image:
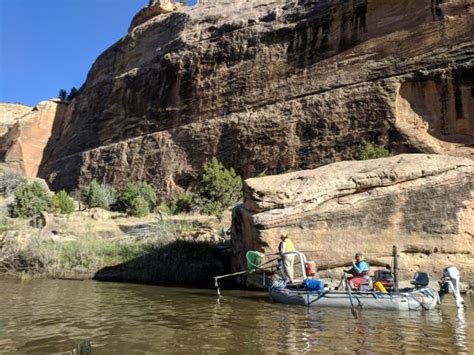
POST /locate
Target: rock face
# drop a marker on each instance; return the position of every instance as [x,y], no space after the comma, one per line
[269,86]
[154,8]
[23,144]
[9,114]
[424,204]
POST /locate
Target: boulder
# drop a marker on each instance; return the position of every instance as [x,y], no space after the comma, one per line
[423,204]
[154,8]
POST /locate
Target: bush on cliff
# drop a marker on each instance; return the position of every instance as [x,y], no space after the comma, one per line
[31,199]
[134,191]
[9,181]
[62,94]
[218,188]
[72,94]
[99,195]
[63,203]
[368,151]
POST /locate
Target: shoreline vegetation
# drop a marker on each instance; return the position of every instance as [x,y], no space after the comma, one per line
[126,235]
[95,244]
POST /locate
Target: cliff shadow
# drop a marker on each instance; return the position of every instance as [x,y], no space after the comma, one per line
[328,29]
[438,110]
[49,169]
[177,263]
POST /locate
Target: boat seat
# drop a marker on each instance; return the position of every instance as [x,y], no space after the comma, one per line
[420,279]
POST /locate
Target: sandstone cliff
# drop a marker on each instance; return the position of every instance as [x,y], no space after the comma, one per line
[9,114]
[269,86]
[27,133]
[424,204]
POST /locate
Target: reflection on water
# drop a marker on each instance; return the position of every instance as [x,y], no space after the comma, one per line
[55,316]
[460,330]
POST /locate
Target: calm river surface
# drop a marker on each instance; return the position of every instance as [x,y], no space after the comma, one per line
[50,316]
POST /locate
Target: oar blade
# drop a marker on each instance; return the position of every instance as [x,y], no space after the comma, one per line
[354,312]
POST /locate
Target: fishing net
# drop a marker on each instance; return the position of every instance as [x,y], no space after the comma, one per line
[254,260]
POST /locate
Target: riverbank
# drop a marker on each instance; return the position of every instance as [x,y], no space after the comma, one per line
[97,244]
[181,250]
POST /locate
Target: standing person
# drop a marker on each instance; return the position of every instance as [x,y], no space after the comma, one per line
[359,271]
[286,246]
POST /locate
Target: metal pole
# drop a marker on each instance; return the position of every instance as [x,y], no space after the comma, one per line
[395,268]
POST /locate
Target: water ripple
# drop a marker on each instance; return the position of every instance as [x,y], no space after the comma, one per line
[54,316]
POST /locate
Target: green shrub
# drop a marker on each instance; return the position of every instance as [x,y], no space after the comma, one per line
[183,204]
[138,189]
[9,181]
[63,203]
[219,188]
[212,208]
[99,195]
[164,209]
[139,207]
[368,151]
[31,199]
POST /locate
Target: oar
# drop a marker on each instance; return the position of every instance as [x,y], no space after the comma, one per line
[301,251]
[354,312]
[216,278]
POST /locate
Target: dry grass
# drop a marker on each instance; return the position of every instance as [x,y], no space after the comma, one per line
[85,245]
[34,255]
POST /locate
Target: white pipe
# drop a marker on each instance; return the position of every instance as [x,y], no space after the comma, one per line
[302,261]
[451,277]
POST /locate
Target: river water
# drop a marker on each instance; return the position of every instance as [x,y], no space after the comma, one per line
[51,316]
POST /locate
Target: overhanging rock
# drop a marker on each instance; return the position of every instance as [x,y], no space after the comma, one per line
[422,203]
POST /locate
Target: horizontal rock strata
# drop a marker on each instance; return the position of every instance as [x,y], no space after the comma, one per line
[268,86]
[424,204]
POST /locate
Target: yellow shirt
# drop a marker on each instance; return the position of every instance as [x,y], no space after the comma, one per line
[289,245]
[286,246]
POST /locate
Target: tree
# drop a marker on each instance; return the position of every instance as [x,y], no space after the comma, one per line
[134,191]
[72,94]
[218,188]
[31,199]
[62,94]
[99,195]
[138,207]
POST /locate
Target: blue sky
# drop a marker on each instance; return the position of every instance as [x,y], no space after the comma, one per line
[47,45]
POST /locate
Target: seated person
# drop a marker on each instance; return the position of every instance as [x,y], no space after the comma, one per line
[359,271]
